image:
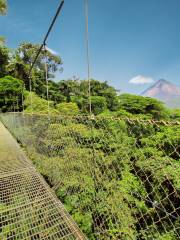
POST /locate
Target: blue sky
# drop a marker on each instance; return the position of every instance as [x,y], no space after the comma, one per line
[130,40]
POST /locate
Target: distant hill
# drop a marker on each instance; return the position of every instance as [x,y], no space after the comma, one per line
[164,91]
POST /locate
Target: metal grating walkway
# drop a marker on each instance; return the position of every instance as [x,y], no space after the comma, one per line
[28,207]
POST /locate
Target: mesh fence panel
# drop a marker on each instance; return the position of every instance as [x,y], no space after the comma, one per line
[28,208]
[118,178]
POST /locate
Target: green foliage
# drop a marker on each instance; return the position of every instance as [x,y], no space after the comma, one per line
[11,91]
[98,105]
[4,59]
[175,114]
[104,90]
[35,104]
[69,88]
[142,105]
[3,7]
[23,58]
[54,93]
[102,95]
[67,108]
[2,40]
[119,113]
[113,176]
[3,11]
[10,85]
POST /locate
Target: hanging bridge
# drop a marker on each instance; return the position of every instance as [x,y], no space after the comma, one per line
[86,177]
[117,178]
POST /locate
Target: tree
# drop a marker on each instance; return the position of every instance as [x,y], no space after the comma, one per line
[3,11]
[69,88]
[4,60]
[2,40]
[100,89]
[98,105]
[11,90]
[142,105]
[54,94]
[24,57]
[77,91]
[3,7]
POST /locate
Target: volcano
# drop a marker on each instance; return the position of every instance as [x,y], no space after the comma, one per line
[166,92]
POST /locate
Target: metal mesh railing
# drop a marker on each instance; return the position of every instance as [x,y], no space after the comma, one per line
[28,208]
[118,178]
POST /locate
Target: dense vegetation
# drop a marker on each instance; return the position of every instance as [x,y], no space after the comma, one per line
[70,96]
[118,178]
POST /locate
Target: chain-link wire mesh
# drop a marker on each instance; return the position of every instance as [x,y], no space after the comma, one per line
[118,178]
[28,208]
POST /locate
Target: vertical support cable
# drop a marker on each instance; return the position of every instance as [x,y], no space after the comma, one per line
[22,98]
[30,90]
[13,105]
[46,78]
[17,104]
[87,55]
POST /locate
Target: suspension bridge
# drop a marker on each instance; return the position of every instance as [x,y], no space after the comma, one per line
[87,177]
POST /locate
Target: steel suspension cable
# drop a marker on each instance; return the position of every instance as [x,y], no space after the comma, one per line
[47,34]
[39,51]
[46,78]
[30,90]
[87,55]
[22,98]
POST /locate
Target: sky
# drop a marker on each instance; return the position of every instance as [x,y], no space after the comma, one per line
[133,43]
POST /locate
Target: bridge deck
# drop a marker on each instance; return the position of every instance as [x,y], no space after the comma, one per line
[28,207]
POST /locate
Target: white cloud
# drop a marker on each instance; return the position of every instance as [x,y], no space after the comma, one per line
[141,80]
[52,51]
